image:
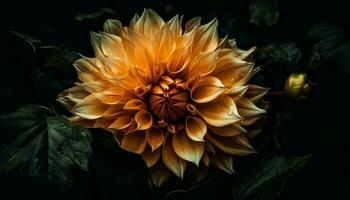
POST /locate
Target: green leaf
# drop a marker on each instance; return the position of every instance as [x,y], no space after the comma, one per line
[266,179]
[46,147]
[264,12]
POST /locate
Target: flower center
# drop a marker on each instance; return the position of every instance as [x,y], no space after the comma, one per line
[168,99]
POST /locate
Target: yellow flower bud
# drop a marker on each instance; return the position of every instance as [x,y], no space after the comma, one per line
[296,86]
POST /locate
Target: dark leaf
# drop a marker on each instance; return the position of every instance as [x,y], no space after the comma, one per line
[328,43]
[288,54]
[46,147]
[264,12]
[267,178]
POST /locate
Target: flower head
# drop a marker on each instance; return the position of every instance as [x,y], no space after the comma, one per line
[177,96]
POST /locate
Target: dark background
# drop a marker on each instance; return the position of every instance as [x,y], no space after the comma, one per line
[318,126]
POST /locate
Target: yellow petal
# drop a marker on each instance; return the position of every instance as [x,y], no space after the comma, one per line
[96,44]
[112,45]
[203,65]
[242,54]
[110,99]
[113,26]
[255,93]
[143,119]
[220,112]
[206,39]
[188,149]
[149,23]
[207,89]
[248,109]
[72,96]
[195,128]
[134,20]
[164,44]
[171,160]
[231,145]
[87,69]
[227,131]
[134,142]
[175,26]
[155,137]
[230,69]
[222,161]
[192,23]
[90,108]
[114,68]
[151,157]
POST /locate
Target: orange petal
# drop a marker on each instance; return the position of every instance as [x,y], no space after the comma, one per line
[90,108]
[123,120]
[151,157]
[134,142]
[143,119]
[195,128]
[220,112]
[207,89]
[222,161]
[171,160]
[135,104]
[227,131]
[188,149]
[155,137]
[236,145]
[111,45]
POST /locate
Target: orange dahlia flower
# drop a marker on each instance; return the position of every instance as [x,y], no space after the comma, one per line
[177,96]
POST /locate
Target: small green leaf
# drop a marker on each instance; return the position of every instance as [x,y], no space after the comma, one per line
[264,12]
[267,178]
[46,147]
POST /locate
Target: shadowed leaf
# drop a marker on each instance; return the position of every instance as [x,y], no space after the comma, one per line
[46,147]
[266,179]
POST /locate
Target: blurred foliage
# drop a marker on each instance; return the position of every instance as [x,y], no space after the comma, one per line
[328,44]
[264,12]
[91,16]
[45,147]
[286,54]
